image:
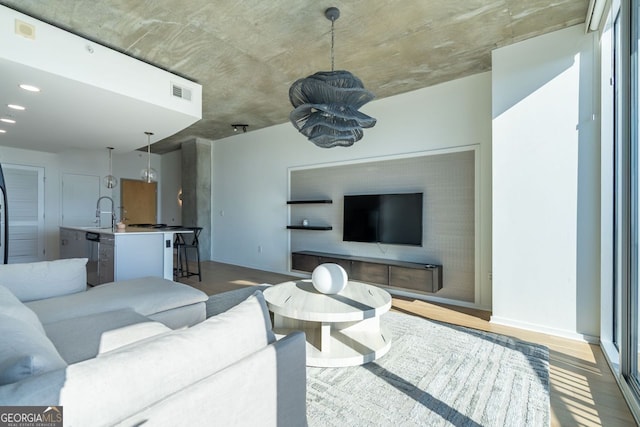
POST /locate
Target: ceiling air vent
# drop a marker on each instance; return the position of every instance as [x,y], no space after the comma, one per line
[180,92]
[25,30]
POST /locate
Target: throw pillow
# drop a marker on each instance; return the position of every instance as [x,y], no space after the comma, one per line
[11,306]
[38,280]
[25,351]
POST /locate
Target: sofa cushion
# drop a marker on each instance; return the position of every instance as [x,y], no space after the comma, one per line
[136,333]
[180,317]
[143,373]
[25,351]
[37,280]
[11,306]
[85,337]
[146,296]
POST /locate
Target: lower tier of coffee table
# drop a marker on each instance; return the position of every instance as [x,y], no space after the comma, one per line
[338,344]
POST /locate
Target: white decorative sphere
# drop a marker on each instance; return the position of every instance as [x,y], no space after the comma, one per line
[329,278]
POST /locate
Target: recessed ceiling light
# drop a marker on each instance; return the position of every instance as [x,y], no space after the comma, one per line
[3,131]
[30,88]
[16,107]
[7,120]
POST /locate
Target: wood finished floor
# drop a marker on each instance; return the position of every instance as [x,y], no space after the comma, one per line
[582,388]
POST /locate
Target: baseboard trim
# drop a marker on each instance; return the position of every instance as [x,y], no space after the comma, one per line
[545,330]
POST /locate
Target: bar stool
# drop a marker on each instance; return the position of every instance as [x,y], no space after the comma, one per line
[178,244]
[189,242]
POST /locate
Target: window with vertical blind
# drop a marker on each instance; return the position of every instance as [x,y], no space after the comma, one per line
[25,208]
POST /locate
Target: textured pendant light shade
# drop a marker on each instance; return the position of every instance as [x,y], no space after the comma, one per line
[326,108]
[149,174]
[327,102]
[110,181]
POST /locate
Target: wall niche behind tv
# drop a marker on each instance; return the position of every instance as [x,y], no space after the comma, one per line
[447,180]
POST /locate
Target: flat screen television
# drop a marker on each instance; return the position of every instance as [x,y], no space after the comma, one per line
[383,218]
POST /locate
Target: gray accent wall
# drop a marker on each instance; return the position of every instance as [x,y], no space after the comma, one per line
[447,181]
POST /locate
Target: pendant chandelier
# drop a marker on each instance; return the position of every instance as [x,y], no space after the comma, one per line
[149,174]
[326,103]
[110,181]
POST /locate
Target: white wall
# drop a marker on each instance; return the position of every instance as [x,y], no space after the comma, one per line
[250,171]
[546,185]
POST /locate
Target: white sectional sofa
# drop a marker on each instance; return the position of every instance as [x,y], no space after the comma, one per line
[141,352]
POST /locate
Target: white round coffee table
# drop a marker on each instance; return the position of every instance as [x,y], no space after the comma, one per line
[342,329]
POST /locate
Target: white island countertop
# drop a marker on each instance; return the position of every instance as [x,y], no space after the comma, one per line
[129,230]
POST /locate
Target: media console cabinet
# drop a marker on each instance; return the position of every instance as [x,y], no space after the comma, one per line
[396,274]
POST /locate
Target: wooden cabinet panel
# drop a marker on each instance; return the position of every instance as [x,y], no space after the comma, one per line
[304,262]
[428,279]
[370,272]
[344,263]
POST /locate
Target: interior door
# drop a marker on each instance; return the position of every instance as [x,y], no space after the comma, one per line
[25,193]
[139,201]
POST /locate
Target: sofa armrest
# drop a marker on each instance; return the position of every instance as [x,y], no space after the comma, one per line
[266,388]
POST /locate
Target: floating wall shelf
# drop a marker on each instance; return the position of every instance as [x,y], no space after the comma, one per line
[310,227]
[302,202]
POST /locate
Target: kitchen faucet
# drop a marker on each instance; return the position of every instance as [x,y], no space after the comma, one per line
[112,212]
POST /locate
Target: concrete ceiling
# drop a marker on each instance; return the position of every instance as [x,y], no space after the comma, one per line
[246,54]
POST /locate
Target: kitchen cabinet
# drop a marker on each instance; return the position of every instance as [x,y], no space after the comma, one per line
[72,244]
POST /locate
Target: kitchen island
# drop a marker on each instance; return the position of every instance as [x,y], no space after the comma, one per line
[121,254]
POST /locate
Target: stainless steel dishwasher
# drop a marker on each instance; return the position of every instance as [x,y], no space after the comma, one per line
[93,255]
[100,254]
[106,262]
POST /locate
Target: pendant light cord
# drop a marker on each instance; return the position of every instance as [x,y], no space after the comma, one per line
[332,14]
[332,42]
[148,171]
[110,164]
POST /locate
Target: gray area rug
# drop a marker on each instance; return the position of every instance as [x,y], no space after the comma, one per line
[436,374]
